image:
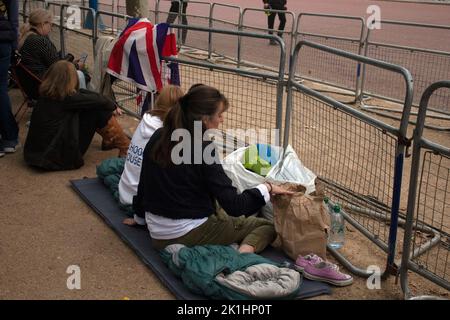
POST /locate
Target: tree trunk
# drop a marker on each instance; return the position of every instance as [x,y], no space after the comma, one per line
[137,8]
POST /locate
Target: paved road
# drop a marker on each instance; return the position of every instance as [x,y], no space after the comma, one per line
[410,11]
[425,68]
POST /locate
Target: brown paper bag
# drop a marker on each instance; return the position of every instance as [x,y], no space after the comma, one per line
[300,222]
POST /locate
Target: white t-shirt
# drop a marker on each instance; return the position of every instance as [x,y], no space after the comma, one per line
[130,177]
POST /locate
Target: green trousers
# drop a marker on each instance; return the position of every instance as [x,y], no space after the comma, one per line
[222,229]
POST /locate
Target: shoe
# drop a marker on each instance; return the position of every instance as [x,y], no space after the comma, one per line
[9,146]
[327,272]
[114,136]
[272,42]
[309,259]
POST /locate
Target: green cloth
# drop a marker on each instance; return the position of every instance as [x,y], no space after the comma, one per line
[222,229]
[253,162]
[199,265]
[110,171]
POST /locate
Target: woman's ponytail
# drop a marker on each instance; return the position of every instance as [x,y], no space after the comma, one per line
[174,120]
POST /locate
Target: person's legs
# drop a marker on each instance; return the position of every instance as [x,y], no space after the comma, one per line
[173,11]
[282,17]
[271,22]
[9,130]
[221,229]
[89,122]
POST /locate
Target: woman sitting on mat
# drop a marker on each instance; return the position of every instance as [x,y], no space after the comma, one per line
[178,200]
[151,121]
[65,120]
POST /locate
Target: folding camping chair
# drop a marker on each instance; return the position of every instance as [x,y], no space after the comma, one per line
[27,82]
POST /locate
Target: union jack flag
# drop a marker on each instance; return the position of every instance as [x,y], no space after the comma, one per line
[136,56]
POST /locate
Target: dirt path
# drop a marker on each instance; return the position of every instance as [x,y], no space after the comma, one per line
[45,227]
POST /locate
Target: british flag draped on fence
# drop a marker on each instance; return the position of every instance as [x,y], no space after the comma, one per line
[136,56]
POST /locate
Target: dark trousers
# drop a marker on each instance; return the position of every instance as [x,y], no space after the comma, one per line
[89,122]
[174,10]
[222,229]
[271,22]
[8,127]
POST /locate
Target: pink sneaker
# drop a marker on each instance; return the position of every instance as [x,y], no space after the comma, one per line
[327,272]
[309,259]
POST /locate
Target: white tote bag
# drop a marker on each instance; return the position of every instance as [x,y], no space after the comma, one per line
[289,169]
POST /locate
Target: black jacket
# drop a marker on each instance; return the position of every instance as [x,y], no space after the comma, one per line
[9,21]
[189,191]
[53,136]
[38,53]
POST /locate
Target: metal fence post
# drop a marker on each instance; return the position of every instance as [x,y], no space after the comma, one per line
[419,142]
[61,31]
[210,22]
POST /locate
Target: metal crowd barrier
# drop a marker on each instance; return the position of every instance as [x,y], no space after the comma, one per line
[72,39]
[359,158]
[335,72]
[213,23]
[256,97]
[125,92]
[26,6]
[427,66]
[266,57]
[426,246]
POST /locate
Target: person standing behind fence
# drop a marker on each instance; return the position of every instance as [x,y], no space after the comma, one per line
[174,11]
[276,5]
[9,22]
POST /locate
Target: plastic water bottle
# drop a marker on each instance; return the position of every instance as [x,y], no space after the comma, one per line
[336,237]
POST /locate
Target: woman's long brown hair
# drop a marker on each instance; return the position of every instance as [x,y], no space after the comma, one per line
[200,101]
[60,81]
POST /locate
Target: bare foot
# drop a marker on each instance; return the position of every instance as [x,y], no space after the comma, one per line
[129,222]
[245,248]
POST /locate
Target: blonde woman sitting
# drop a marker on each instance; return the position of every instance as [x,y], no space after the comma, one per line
[65,120]
[121,176]
[37,51]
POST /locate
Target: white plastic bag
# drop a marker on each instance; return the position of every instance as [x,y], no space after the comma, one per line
[290,169]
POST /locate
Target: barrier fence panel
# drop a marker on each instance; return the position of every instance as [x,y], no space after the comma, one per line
[225,17]
[428,253]
[73,37]
[341,32]
[426,65]
[108,23]
[197,14]
[125,92]
[359,158]
[266,56]
[108,5]
[256,97]
[26,6]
